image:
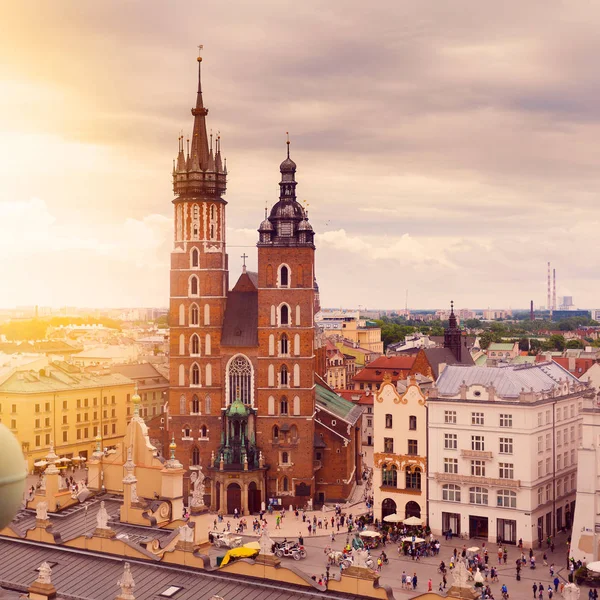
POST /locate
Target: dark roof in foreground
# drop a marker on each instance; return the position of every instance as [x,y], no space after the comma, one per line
[79,575]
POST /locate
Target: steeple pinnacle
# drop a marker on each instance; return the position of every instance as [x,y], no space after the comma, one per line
[201,172]
[199,137]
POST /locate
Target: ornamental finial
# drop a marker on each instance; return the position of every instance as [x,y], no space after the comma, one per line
[200,47]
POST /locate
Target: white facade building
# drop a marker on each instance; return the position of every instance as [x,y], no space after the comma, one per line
[585,543]
[503,451]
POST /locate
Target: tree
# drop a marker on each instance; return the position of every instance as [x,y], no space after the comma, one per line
[575,344]
[472,323]
[524,344]
[557,342]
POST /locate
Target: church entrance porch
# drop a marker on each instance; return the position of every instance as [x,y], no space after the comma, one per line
[234,498]
[244,490]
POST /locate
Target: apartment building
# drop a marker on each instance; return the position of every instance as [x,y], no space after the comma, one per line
[503,451]
[66,407]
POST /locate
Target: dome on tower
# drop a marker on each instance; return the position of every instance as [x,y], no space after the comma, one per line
[265,226]
[287,166]
[287,208]
[304,225]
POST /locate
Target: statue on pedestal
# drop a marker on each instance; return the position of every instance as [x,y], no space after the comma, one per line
[571,592]
[197,478]
[102,517]
[45,574]
[41,511]
[126,584]
[266,543]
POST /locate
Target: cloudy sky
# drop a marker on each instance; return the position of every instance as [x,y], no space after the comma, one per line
[447,148]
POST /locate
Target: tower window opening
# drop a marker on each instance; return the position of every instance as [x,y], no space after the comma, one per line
[284,314]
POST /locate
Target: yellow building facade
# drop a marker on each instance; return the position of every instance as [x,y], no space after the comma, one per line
[400,450]
[64,406]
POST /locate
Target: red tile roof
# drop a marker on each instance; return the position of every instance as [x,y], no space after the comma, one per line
[580,367]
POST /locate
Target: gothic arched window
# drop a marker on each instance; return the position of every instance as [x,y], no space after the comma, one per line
[182,406]
[207,405]
[284,276]
[283,375]
[195,257]
[275,433]
[239,376]
[195,456]
[286,484]
[283,406]
[195,404]
[284,315]
[195,378]
[203,431]
[195,221]
[194,285]
[194,314]
[283,344]
[195,344]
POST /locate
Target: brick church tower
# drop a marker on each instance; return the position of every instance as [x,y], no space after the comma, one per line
[199,284]
[286,301]
[242,384]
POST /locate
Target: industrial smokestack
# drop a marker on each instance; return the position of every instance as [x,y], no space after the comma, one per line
[549,304]
[553,289]
[531,315]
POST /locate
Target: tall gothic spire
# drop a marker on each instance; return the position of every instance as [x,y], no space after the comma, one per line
[199,137]
[201,173]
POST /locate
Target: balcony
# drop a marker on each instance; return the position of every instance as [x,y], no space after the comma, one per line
[474,480]
[483,454]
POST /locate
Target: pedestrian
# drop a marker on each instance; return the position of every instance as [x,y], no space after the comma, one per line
[552,570]
[556,582]
[300,538]
[332,536]
[550,592]
[429,585]
[440,589]
[309,528]
[414,581]
[534,589]
[541,594]
[403,579]
[444,580]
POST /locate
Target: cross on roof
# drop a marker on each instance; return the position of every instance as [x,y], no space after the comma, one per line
[244,257]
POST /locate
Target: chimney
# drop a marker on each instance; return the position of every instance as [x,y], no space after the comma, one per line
[553,289]
[531,313]
[549,304]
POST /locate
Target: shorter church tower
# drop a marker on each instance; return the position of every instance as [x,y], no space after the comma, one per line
[286,386]
[453,339]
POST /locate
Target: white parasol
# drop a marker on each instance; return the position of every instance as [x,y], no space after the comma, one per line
[370,534]
[473,549]
[395,518]
[594,566]
[417,540]
[413,521]
[40,463]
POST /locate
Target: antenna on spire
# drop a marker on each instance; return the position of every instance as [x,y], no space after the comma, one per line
[211,139]
[287,133]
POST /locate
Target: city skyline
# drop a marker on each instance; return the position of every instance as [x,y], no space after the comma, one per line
[428,162]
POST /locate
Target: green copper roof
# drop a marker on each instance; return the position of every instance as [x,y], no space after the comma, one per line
[237,407]
[337,405]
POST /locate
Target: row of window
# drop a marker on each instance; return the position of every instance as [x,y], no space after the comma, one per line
[562,436]
[80,434]
[505,444]
[412,422]
[194,315]
[187,431]
[194,407]
[283,345]
[194,347]
[478,468]
[194,375]
[413,446]
[563,461]
[563,486]
[479,495]
[389,477]
[478,418]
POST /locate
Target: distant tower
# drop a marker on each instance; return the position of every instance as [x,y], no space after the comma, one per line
[531,313]
[453,335]
[554,289]
[549,304]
